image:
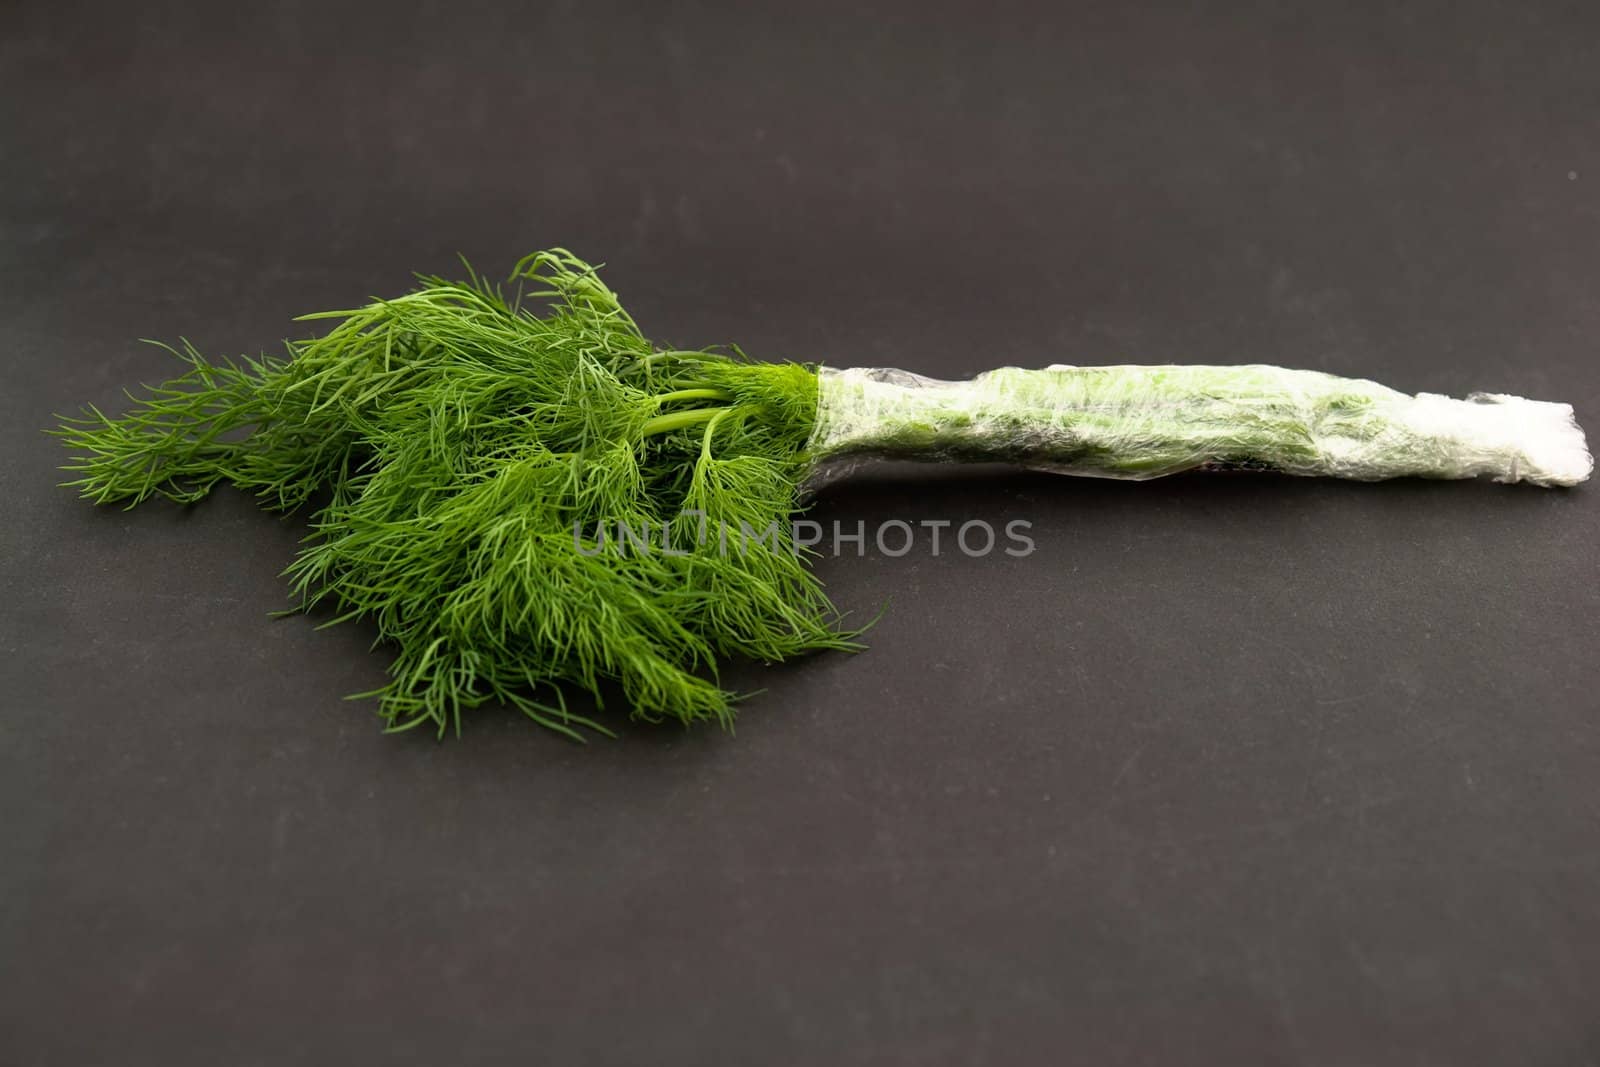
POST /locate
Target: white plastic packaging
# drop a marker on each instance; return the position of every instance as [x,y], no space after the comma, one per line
[1139,422]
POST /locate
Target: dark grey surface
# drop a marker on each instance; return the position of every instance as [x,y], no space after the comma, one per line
[1232,770]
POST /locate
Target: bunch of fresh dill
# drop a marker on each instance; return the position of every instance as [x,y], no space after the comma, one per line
[457,445]
[455,441]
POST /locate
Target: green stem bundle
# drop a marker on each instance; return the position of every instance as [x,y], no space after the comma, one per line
[1141,422]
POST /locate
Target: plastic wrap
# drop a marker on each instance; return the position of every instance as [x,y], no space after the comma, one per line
[1139,422]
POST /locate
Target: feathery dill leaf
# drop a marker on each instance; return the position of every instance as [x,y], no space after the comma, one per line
[460,438]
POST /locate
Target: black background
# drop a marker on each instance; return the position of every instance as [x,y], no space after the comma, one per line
[1231,769]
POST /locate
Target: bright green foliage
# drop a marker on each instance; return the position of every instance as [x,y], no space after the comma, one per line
[456,443]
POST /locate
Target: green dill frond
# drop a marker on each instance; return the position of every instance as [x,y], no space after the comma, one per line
[466,450]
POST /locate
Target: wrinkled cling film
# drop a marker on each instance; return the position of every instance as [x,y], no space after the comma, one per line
[1138,422]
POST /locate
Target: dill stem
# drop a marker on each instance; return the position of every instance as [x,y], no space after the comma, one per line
[693,394]
[677,420]
[711,427]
